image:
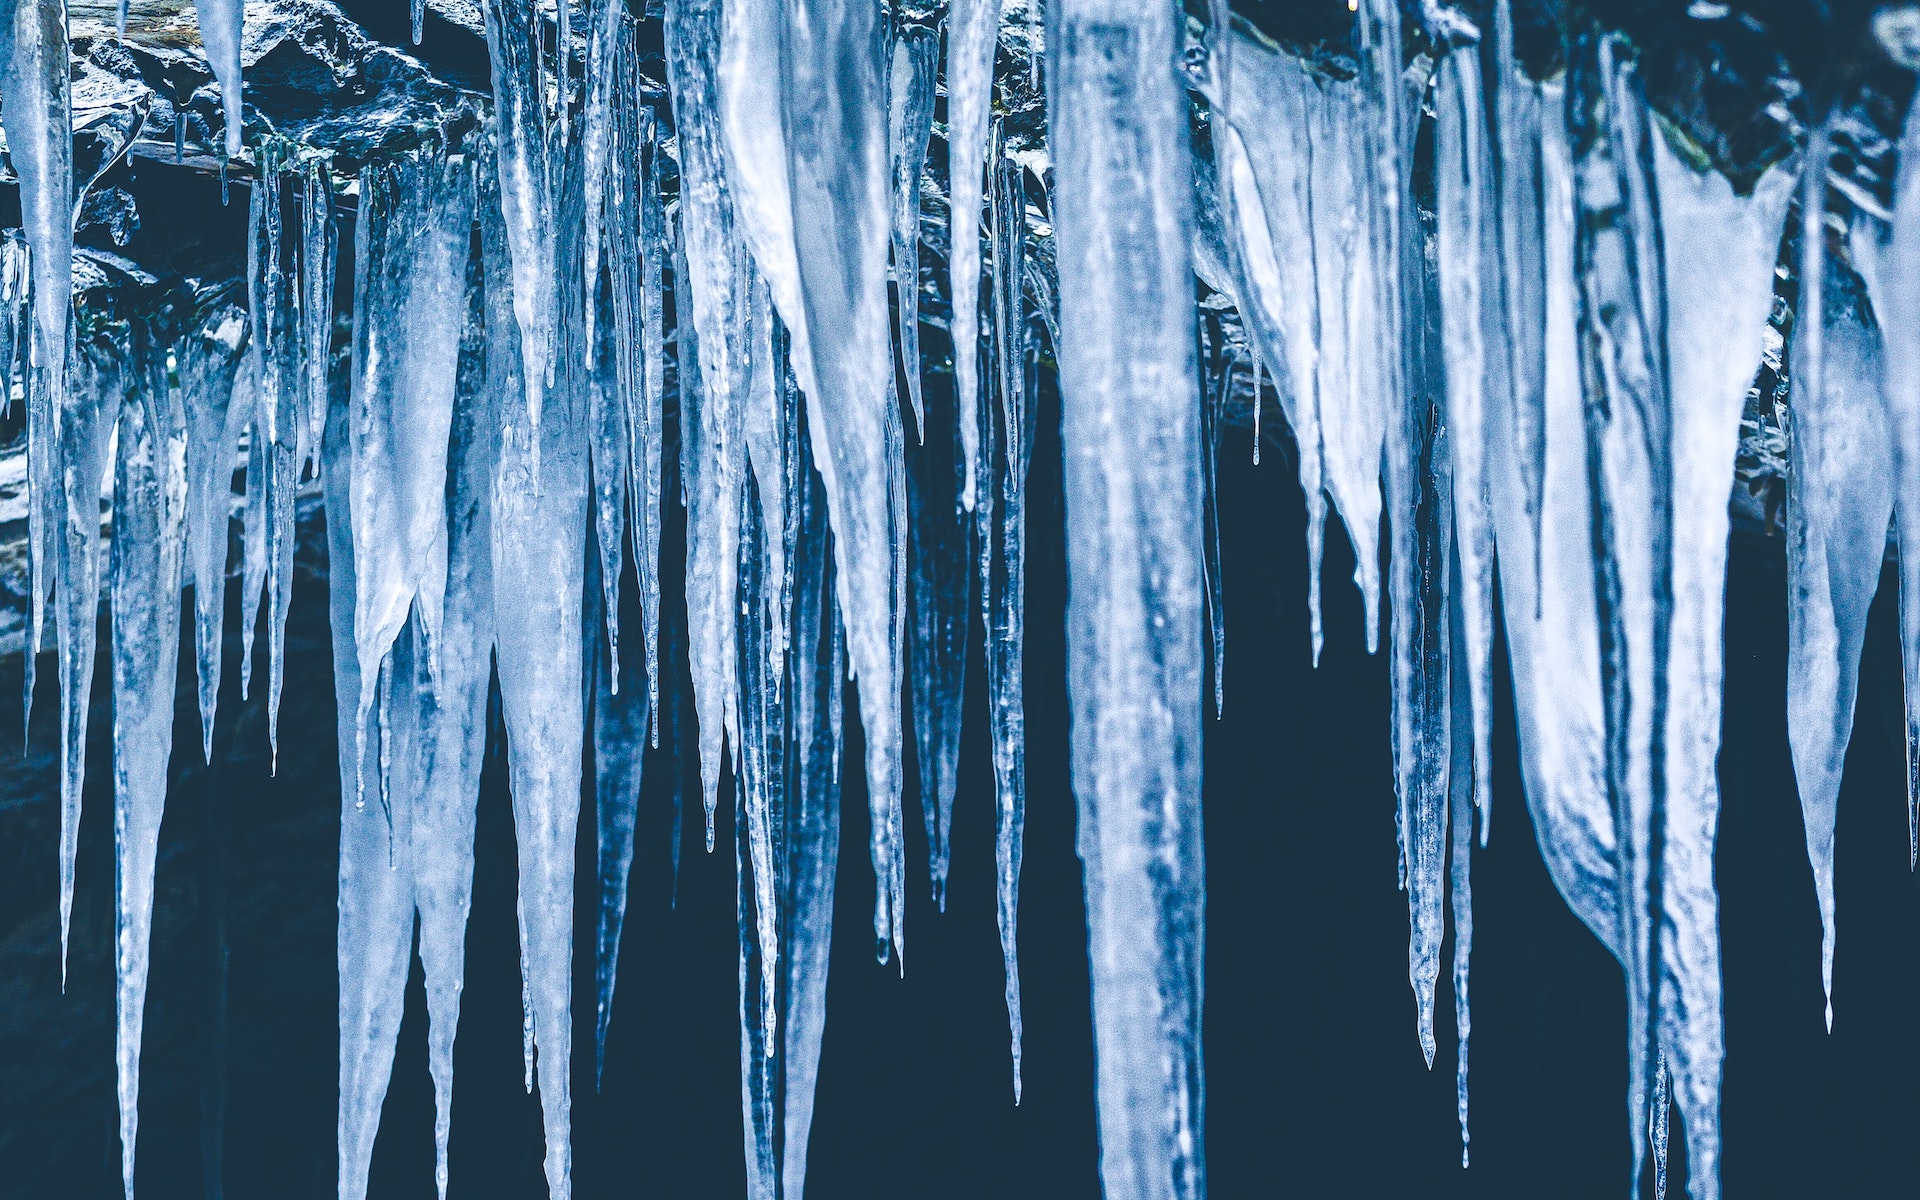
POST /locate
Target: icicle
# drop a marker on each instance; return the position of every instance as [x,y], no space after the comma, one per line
[539,547]
[710,427]
[419,14]
[910,87]
[1130,435]
[221,25]
[1838,503]
[212,377]
[318,254]
[375,895]
[971,38]
[634,259]
[278,427]
[1469,322]
[1216,381]
[1460,784]
[149,535]
[1004,586]
[526,187]
[452,710]
[812,832]
[253,527]
[1520,215]
[832,74]
[1267,153]
[35,108]
[410,256]
[1661,1112]
[607,419]
[603,91]
[942,555]
[1897,303]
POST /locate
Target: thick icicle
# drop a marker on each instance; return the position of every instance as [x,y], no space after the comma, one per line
[1130,436]
[972,35]
[1003,588]
[910,88]
[411,246]
[710,430]
[216,393]
[149,540]
[1897,303]
[527,177]
[1838,503]
[812,828]
[539,548]
[1472,334]
[834,80]
[35,105]
[375,929]
[221,24]
[451,709]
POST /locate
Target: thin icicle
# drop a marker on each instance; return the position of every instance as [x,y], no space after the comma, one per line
[1004,586]
[525,187]
[1838,504]
[710,428]
[539,548]
[452,712]
[1130,434]
[1469,323]
[1460,881]
[221,25]
[620,722]
[216,393]
[1659,1115]
[972,29]
[253,528]
[611,466]
[149,541]
[319,245]
[941,558]
[278,413]
[412,237]
[606,20]
[910,88]
[812,827]
[1522,199]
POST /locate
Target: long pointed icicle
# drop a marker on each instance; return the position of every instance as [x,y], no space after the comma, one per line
[972,35]
[710,431]
[1897,303]
[410,262]
[1838,506]
[634,257]
[941,537]
[812,832]
[834,75]
[910,90]
[1130,436]
[1460,870]
[539,548]
[221,26]
[149,543]
[1472,337]
[452,713]
[278,411]
[35,106]
[319,252]
[210,375]
[375,928]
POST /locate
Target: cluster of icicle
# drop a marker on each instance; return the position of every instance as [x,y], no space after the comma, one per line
[1539,392]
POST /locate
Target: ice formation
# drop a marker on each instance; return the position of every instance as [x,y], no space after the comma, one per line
[1510,323]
